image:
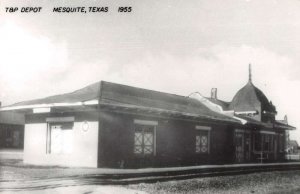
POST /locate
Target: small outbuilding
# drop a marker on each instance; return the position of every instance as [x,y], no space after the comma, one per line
[292,147]
[11,130]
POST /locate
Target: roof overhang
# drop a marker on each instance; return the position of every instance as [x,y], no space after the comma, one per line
[283,126]
[246,112]
[44,108]
[275,125]
[51,105]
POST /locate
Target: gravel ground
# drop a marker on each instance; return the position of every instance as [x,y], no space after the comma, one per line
[268,182]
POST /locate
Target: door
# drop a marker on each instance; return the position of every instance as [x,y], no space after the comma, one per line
[275,148]
[239,147]
[247,147]
[16,139]
[61,141]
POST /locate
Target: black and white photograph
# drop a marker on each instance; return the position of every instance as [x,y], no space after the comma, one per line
[147,97]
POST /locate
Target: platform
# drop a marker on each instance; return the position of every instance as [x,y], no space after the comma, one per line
[17,177]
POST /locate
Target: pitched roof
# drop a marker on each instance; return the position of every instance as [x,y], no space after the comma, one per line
[113,94]
[87,93]
[223,104]
[127,95]
[247,98]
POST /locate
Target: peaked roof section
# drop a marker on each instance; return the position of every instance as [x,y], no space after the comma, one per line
[112,94]
[247,98]
[223,104]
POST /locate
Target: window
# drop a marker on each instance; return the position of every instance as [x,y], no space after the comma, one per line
[144,138]
[264,142]
[202,139]
[268,141]
[60,138]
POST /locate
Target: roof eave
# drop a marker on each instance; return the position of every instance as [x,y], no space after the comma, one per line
[62,104]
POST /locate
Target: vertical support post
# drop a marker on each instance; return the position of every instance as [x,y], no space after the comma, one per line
[262,148]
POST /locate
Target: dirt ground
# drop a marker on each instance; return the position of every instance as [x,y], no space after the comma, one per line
[87,189]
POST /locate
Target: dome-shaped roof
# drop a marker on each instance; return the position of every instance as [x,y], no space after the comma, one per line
[249,98]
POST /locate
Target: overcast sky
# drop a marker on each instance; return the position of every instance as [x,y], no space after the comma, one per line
[171,46]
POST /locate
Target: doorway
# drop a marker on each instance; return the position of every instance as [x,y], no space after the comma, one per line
[242,146]
[239,147]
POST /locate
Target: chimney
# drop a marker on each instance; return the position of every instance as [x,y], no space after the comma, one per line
[214,93]
[286,119]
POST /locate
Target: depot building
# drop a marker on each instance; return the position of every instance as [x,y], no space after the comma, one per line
[112,125]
